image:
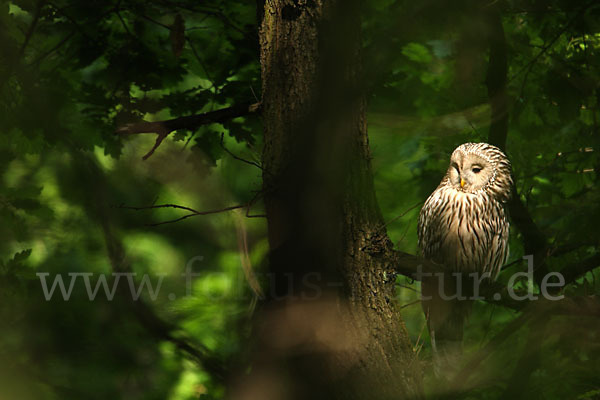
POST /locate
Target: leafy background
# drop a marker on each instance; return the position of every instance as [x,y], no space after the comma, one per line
[72,72]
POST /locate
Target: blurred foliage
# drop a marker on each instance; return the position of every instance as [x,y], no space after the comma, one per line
[71,72]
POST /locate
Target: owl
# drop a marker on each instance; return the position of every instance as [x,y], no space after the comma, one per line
[463,226]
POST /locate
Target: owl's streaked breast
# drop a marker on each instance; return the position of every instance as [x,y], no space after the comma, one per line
[466,232]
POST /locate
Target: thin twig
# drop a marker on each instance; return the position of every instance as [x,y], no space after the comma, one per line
[473,126]
[412,303]
[401,215]
[409,288]
[251,203]
[159,206]
[411,223]
[194,212]
[220,210]
[504,267]
[213,88]
[201,62]
[214,12]
[242,238]
[236,157]
[151,20]
[32,26]
[124,24]
[40,58]
[418,347]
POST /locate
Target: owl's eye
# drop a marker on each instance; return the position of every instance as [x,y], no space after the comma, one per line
[476,169]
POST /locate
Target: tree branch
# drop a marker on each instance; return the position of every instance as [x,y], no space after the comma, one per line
[409,265]
[191,122]
[416,268]
[570,247]
[576,270]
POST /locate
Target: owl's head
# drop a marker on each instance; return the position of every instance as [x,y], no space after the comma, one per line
[480,167]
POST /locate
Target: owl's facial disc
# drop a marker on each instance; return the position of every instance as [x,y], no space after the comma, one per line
[469,172]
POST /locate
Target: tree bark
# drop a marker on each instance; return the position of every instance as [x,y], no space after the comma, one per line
[329,327]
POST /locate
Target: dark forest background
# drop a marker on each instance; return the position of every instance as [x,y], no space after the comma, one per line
[77,78]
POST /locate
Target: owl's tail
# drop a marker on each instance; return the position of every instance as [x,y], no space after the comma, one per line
[445,319]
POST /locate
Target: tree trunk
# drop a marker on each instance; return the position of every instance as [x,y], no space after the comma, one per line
[329,327]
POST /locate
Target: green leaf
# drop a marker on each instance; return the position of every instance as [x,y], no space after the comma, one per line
[417,52]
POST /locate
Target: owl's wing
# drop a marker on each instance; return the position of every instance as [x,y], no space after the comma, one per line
[498,253]
[429,227]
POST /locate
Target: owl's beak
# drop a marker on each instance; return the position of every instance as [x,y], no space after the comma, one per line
[462,183]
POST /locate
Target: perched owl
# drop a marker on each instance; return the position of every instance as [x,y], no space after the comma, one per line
[463,226]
